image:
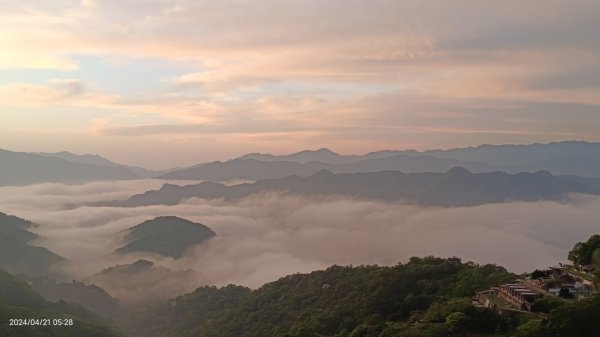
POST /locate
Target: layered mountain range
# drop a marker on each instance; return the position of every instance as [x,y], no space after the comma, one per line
[146,266]
[574,158]
[562,158]
[456,187]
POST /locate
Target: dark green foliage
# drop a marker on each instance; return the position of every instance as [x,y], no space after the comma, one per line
[339,301]
[460,316]
[17,292]
[439,311]
[546,304]
[457,322]
[574,320]
[128,269]
[16,227]
[78,329]
[17,255]
[532,328]
[186,313]
[565,293]
[19,301]
[415,330]
[596,274]
[88,295]
[166,235]
[538,274]
[583,252]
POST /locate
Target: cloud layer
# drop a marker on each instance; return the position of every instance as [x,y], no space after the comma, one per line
[266,236]
[352,75]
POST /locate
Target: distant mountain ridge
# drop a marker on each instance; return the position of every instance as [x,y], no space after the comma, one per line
[560,158]
[509,154]
[19,168]
[454,188]
[495,155]
[323,155]
[557,158]
[253,169]
[94,159]
[561,165]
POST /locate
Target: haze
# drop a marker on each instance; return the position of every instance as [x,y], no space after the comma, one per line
[299,168]
[265,236]
[179,82]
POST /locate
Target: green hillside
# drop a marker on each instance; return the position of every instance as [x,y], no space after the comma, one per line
[17,227]
[19,301]
[18,255]
[90,296]
[165,235]
[339,301]
[426,297]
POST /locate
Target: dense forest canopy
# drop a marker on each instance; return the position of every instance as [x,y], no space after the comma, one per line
[19,301]
[585,253]
[339,301]
[426,297]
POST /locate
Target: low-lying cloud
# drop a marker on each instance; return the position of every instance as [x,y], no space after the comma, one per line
[265,236]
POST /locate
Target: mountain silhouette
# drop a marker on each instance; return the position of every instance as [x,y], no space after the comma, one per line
[19,168]
[165,235]
[18,254]
[456,187]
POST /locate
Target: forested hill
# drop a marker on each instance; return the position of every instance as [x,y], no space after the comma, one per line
[165,235]
[19,301]
[340,301]
[18,255]
[426,297]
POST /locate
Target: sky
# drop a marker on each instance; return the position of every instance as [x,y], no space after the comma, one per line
[161,83]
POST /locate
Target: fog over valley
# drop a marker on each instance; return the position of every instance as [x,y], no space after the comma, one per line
[221,242]
[254,219]
[268,235]
[299,168]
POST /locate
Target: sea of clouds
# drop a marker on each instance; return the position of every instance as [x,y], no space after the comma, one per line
[265,236]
